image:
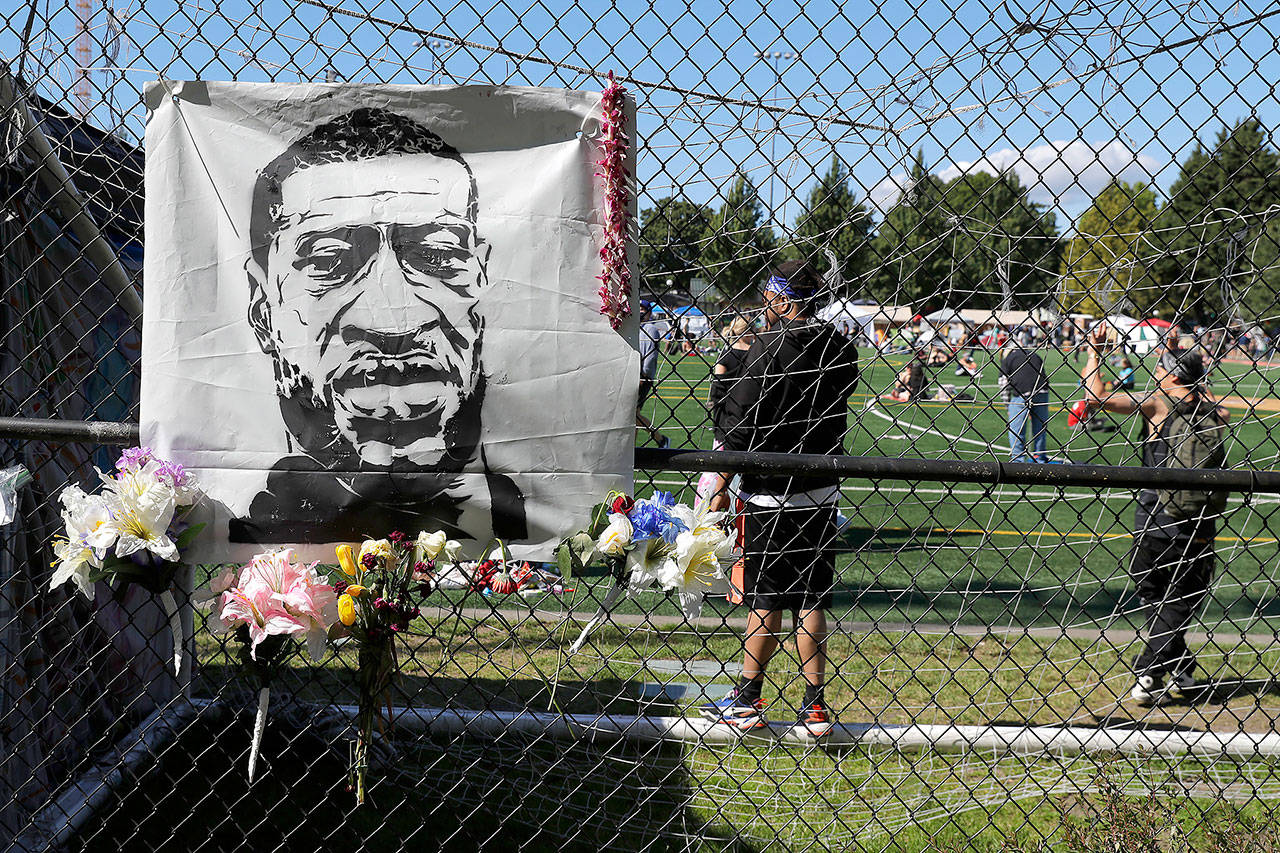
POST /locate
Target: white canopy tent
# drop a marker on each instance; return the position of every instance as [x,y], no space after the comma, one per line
[981,317]
[847,315]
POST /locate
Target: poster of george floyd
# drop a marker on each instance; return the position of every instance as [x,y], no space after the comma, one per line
[374,308]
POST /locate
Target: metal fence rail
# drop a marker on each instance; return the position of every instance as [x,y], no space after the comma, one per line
[1093,189]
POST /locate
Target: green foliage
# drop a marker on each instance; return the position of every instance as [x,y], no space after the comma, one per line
[1239,174]
[575,551]
[672,235]
[187,536]
[1108,259]
[997,220]
[911,251]
[741,245]
[834,219]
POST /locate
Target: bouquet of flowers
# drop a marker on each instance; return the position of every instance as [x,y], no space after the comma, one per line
[651,541]
[132,531]
[375,604]
[268,604]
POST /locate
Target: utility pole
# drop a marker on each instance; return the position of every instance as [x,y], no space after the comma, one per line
[83,88]
[773,57]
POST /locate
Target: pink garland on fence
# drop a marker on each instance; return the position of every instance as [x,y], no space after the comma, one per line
[615,288]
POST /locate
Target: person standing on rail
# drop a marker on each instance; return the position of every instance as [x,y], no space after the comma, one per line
[794,397]
[1172,560]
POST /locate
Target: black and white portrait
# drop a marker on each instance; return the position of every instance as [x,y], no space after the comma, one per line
[415,295]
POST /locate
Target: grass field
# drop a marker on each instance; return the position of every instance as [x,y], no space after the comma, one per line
[955,604]
[1011,556]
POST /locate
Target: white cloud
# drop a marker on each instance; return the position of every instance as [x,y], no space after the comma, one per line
[1061,174]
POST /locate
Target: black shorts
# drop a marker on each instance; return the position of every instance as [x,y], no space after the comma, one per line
[788,562]
[646,388]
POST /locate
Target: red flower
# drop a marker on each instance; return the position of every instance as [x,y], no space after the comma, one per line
[622,503]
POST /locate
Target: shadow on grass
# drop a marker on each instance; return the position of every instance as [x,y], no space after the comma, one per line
[601,694]
[452,793]
[1222,690]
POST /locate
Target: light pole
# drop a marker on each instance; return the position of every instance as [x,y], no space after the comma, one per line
[433,46]
[774,57]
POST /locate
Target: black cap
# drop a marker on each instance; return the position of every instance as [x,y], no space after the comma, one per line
[1187,366]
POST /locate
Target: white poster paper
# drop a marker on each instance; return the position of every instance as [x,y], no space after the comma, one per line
[374,308]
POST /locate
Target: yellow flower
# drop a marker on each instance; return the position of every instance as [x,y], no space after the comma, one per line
[355,590]
[380,548]
[347,610]
[346,560]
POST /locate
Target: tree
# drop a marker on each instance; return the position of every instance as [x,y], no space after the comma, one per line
[833,219]
[672,235]
[740,244]
[911,256]
[1107,262]
[999,232]
[1211,232]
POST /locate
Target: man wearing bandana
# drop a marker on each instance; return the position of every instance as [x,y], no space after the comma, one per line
[792,397]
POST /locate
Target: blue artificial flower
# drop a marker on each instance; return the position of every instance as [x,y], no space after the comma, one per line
[651,518]
[671,528]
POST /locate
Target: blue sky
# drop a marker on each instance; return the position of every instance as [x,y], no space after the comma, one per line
[899,66]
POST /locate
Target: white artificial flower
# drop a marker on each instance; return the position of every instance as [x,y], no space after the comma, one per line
[143,518]
[431,544]
[130,486]
[452,550]
[646,563]
[698,518]
[74,562]
[616,538]
[88,520]
[697,557]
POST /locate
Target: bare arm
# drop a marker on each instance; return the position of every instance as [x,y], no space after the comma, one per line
[720,497]
[1095,394]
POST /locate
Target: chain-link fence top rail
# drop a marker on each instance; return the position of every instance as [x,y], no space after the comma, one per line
[977,185]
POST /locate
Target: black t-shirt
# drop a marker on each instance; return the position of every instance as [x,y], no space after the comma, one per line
[721,399]
[794,393]
[1023,371]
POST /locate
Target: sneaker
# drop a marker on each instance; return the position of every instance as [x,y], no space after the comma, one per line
[1184,682]
[735,712]
[814,719]
[1150,690]
[664,443]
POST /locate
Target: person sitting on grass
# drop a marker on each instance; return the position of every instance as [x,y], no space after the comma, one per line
[966,366]
[1126,379]
[1172,559]
[910,384]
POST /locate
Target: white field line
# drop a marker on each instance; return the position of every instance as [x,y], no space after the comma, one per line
[870,407]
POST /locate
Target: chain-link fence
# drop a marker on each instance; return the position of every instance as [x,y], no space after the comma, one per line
[1049,236]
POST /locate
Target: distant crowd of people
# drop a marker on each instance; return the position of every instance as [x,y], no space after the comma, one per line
[781,383]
